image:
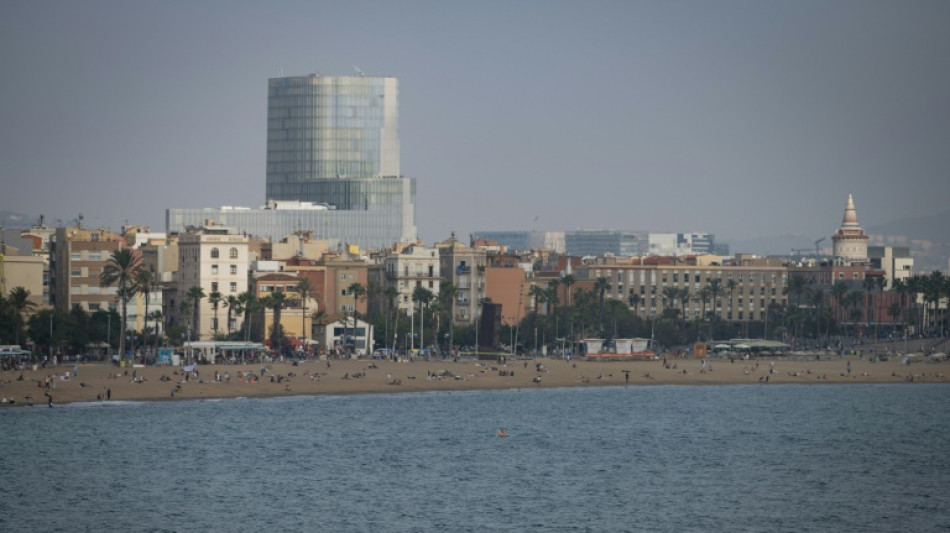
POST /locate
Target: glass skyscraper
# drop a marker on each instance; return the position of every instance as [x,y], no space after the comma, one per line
[324,129]
[332,165]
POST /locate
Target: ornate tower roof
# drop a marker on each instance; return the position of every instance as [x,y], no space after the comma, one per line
[850,215]
[850,241]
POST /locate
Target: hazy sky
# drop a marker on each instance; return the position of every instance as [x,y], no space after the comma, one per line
[740,118]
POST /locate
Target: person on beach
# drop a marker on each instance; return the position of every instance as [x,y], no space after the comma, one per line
[849,367]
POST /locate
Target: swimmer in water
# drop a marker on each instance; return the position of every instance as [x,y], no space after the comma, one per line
[501,433]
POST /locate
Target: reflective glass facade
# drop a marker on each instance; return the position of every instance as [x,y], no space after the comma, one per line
[327,128]
[372,223]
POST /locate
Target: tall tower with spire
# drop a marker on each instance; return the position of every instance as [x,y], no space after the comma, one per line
[850,241]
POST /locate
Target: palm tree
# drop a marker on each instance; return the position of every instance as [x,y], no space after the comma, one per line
[818,302]
[670,294]
[684,295]
[121,270]
[233,303]
[568,281]
[304,288]
[195,294]
[881,283]
[868,285]
[601,286]
[894,310]
[447,294]
[20,303]
[634,300]
[156,317]
[249,305]
[422,296]
[146,283]
[703,296]
[358,291]
[276,301]
[392,306]
[215,299]
[552,294]
[715,289]
[537,293]
[839,291]
[797,284]
[900,287]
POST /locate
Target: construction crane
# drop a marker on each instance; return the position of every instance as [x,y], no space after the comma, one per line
[808,251]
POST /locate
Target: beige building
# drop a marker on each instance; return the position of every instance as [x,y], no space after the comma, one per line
[896,262]
[215,259]
[301,244]
[752,288]
[23,271]
[415,266]
[463,267]
[77,257]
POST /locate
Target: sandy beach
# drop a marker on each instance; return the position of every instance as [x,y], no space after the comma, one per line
[104,382]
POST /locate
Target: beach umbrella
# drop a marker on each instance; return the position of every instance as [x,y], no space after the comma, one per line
[742,347]
[722,346]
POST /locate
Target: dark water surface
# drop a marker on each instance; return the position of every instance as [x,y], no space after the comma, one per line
[723,458]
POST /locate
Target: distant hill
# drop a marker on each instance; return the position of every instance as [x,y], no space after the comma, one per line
[934,228]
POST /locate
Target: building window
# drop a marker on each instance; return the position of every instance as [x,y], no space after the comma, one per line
[214,269]
[93,307]
[214,286]
[76,272]
[95,256]
[233,270]
[215,253]
[233,287]
[233,253]
[75,256]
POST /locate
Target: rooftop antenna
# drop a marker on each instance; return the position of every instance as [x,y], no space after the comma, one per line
[281,71]
[358,71]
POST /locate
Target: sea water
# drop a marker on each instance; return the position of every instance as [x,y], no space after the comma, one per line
[659,458]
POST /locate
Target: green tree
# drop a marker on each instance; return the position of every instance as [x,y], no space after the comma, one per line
[195,294]
[448,292]
[20,303]
[146,284]
[839,291]
[156,317]
[233,305]
[121,270]
[304,288]
[249,305]
[601,286]
[276,301]
[568,281]
[422,296]
[215,298]
[703,296]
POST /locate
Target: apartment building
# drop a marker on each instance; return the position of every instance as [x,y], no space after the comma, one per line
[215,259]
[77,257]
[745,291]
